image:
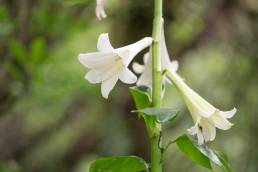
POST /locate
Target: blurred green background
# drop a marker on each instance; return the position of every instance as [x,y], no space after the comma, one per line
[51,119]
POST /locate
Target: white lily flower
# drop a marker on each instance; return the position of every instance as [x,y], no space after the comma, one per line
[100,12]
[206,117]
[109,64]
[146,69]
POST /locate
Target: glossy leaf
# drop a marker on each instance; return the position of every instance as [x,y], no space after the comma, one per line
[119,164]
[162,114]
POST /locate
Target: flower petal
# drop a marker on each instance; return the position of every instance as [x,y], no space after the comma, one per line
[192,130]
[144,79]
[138,68]
[97,59]
[124,55]
[126,76]
[94,76]
[97,75]
[135,48]
[100,12]
[104,44]
[208,130]
[220,122]
[200,137]
[146,57]
[173,66]
[229,114]
[195,103]
[108,85]
[165,60]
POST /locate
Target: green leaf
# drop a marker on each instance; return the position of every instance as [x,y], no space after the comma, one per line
[162,114]
[192,152]
[18,51]
[224,161]
[37,48]
[201,154]
[141,96]
[119,164]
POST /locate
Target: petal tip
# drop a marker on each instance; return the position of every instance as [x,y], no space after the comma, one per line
[81,58]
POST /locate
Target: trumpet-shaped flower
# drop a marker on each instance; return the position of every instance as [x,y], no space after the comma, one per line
[146,69]
[100,12]
[206,117]
[109,64]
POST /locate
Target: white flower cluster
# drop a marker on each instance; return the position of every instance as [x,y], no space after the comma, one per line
[109,65]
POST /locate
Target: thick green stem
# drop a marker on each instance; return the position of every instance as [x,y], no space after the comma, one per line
[156,154]
[156,58]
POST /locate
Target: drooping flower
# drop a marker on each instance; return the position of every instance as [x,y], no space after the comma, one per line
[146,69]
[100,12]
[109,64]
[206,117]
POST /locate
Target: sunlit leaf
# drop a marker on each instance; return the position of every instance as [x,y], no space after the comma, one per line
[119,164]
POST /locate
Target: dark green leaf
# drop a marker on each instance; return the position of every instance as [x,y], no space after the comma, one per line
[119,164]
[141,96]
[162,114]
[192,152]
[224,161]
[202,154]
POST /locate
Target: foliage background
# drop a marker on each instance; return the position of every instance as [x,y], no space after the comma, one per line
[52,120]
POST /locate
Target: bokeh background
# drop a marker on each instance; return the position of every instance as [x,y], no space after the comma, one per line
[51,119]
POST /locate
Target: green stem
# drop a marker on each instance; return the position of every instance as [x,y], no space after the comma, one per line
[156,153]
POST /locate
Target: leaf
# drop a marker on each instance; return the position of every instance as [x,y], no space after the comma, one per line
[224,161]
[162,114]
[141,96]
[37,48]
[192,152]
[201,154]
[18,51]
[119,164]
